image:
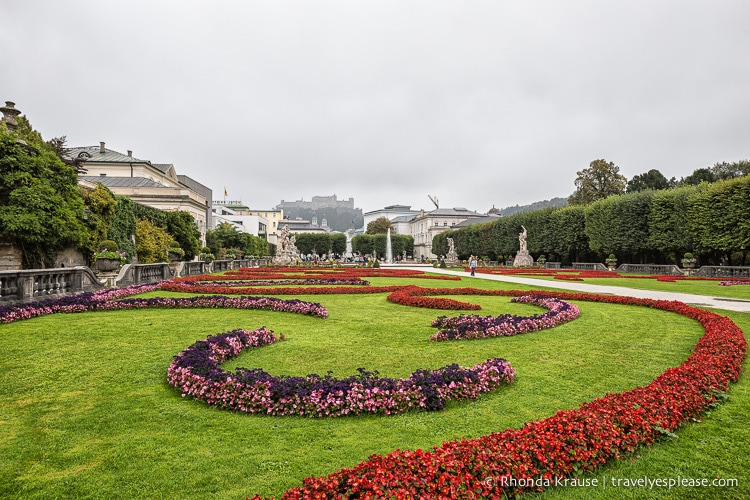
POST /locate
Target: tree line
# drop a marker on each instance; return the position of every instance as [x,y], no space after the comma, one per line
[709,220]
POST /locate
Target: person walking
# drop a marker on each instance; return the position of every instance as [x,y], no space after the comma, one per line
[472,264]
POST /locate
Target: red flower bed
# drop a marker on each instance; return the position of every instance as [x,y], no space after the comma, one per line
[282,273]
[312,290]
[558,447]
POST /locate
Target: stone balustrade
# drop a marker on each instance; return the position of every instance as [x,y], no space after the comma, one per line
[650,269]
[37,284]
[589,266]
[724,271]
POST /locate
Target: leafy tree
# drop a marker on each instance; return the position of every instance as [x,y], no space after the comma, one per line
[151,242]
[59,146]
[653,179]
[41,208]
[724,170]
[699,175]
[224,236]
[184,230]
[122,229]
[102,206]
[600,180]
[379,226]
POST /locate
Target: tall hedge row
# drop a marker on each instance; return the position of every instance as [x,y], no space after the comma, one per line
[711,221]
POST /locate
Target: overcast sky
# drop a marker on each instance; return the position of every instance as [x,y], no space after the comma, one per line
[477,103]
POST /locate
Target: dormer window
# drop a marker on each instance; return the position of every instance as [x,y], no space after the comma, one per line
[84,154]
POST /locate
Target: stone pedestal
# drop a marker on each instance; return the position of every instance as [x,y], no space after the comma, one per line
[523,259]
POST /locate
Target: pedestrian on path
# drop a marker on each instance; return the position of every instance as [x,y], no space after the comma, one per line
[472,264]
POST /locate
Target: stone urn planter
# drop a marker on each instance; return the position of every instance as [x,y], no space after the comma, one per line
[174,257]
[106,265]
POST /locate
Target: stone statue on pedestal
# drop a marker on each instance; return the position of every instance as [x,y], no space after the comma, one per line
[522,257]
[286,251]
[452,258]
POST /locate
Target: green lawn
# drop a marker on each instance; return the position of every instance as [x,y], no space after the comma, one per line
[85,410]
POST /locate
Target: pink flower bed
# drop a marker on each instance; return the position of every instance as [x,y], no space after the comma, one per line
[506,325]
[196,372]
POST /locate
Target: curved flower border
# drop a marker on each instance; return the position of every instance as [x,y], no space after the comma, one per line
[196,372]
[506,325]
[105,300]
[560,446]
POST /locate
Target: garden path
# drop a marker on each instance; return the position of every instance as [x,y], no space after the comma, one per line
[741,305]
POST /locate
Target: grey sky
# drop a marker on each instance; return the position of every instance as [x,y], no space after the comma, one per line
[476,103]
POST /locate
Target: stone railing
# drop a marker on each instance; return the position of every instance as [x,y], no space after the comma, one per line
[724,271]
[222,265]
[135,274]
[193,268]
[38,284]
[650,269]
[552,265]
[589,266]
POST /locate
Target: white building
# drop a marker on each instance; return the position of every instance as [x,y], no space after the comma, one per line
[240,219]
[156,185]
[403,213]
[428,224]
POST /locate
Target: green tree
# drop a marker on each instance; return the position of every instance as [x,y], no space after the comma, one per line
[653,179]
[181,225]
[699,175]
[379,226]
[41,208]
[122,230]
[724,170]
[600,180]
[102,207]
[151,242]
[224,235]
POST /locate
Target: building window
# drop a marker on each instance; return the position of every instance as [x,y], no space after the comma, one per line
[445,223]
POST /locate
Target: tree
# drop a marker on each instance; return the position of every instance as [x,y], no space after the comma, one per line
[733,170]
[41,207]
[653,179]
[600,180]
[699,175]
[184,230]
[379,226]
[151,242]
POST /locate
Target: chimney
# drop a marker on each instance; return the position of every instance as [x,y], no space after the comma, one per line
[9,114]
[130,153]
[101,147]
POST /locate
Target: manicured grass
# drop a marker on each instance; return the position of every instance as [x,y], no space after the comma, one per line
[86,410]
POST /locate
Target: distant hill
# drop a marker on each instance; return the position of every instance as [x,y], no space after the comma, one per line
[537,205]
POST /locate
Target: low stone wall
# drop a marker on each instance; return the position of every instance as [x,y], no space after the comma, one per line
[39,284]
[724,271]
[589,266]
[650,269]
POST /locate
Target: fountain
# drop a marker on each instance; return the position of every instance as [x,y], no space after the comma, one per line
[388,248]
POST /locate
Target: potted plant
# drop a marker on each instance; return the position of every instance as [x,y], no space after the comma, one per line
[175,253]
[206,255]
[611,262]
[541,260]
[107,257]
[689,261]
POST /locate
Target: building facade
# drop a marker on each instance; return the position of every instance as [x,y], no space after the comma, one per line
[427,225]
[151,184]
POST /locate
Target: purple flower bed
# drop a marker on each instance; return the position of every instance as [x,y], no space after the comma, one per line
[472,326]
[734,282]
[196,372]
[104,301]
